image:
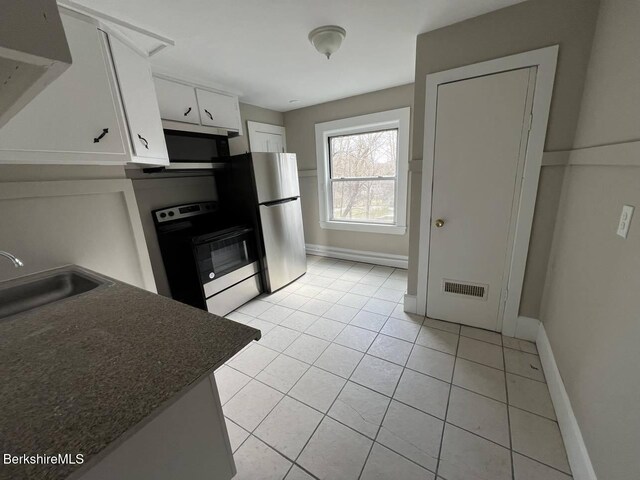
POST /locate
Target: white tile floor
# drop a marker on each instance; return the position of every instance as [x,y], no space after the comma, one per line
[345,385]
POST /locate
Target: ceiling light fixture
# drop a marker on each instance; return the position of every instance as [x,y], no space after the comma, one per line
[327,39]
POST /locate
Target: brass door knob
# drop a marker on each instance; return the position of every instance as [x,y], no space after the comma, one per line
[439,223]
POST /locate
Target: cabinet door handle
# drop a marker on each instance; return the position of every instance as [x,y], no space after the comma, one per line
[187,112]
[99,137]
[144,141]
[208,113]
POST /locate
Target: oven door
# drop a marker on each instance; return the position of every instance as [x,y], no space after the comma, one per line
[218,255]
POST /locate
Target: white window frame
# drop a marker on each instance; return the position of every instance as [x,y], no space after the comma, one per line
[399,119]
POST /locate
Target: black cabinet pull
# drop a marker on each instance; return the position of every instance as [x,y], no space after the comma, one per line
[144,141]
[99,137]
[208,113]
[187,112]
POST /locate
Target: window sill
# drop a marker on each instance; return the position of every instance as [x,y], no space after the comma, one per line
[364,227]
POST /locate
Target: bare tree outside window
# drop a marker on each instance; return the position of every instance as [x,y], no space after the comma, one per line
[363,176]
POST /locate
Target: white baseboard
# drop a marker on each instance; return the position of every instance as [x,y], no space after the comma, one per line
[527,328]
[577,454]
[376,258]
[410,303]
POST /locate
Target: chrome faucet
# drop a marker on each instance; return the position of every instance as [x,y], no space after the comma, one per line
[16,261]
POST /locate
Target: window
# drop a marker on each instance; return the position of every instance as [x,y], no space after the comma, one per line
[362,172]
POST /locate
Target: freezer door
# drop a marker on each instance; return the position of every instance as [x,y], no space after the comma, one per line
[285,256]
[276,176]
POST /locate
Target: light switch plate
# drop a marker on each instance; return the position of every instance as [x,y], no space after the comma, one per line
[625,220]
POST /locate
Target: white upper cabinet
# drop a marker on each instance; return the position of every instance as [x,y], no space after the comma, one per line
[140,104]
[218,109]
[196,108]
[75,119]
[27,65]
[177,101]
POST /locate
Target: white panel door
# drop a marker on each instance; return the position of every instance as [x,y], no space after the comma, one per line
[264,137]
[140,102]
[71,114]
[177,102]
[267,142]
[481,135]
[218,109]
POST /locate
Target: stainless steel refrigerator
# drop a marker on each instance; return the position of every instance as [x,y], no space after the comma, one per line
[275,176]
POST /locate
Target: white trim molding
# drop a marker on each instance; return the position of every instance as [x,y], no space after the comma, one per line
[577,453]
[400,119]
[114,24]
[365,256]
[545,59]
[254,128]
[556,159]
[410,303]
[307,173]
[625,154]
[527,328]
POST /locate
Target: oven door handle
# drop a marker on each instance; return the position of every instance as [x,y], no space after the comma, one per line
[223,236]
[246,252]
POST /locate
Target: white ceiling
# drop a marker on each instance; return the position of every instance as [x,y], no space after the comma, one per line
[259,48]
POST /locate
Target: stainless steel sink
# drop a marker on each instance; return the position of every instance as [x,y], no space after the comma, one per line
[40,289]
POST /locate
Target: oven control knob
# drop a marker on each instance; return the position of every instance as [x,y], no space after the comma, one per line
[212,275]
[171,214]
[162,215]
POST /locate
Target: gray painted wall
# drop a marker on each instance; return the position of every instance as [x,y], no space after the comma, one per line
[300,125]
[522,27]
[47,230]
[591,307]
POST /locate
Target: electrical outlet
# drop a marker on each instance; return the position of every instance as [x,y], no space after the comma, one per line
[625,220]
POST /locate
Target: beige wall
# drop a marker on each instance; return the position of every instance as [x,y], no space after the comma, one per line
[610,110]
[522,27]
[300,125]
[549,189]
[248,112]
[57,215]
[591,307]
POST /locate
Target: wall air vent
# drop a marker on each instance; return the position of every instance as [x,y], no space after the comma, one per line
[466,289]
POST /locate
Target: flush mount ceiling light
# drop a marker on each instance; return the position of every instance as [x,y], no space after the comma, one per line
[327,39]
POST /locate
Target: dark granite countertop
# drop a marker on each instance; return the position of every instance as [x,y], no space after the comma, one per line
[80,374]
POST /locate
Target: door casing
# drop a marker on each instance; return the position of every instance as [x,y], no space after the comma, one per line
[454,201]
[256,129]
[545,59]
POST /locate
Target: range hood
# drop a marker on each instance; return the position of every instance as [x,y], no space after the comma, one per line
[33,52]
[193,128]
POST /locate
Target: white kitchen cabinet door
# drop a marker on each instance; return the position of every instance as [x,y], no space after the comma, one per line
[218,109]
[177,101]
[140,104]
[188,439]
[74,120]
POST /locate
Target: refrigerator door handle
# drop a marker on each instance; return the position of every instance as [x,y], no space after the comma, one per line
[279,202]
